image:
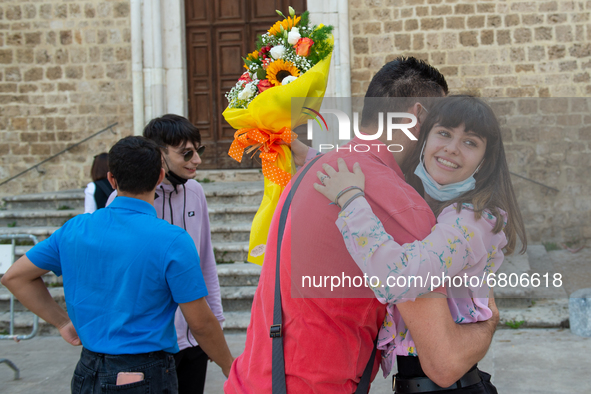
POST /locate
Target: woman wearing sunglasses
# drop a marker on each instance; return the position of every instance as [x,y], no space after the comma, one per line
[180,200]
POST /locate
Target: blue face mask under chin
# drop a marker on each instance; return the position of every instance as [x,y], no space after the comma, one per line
[443,192]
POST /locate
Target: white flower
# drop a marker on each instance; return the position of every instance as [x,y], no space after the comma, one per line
[248,91]
[288,79]
[277,52]
[293,36]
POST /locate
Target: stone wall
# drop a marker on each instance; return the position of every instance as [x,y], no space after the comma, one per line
[503,48]
[487,48]
[65,73]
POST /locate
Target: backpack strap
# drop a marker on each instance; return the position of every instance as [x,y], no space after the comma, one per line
[276,331]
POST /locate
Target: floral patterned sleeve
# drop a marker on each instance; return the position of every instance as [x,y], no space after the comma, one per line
[456,243]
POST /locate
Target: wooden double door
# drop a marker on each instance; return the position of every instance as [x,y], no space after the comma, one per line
[219,34]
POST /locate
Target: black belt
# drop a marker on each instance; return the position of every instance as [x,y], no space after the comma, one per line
[402,385]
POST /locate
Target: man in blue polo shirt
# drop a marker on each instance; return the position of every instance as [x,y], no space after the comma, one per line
[124,273]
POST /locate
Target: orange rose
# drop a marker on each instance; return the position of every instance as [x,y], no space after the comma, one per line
[302,47]
[264,85]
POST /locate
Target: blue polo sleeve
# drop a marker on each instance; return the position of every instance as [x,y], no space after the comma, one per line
[46,255]
[183,271]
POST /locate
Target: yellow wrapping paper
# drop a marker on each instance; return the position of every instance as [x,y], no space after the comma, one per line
[271,111]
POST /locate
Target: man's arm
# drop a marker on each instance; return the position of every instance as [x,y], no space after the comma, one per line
[208,333]
[23,280]
[446,350]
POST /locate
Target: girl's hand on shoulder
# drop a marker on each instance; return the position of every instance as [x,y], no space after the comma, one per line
[333,182]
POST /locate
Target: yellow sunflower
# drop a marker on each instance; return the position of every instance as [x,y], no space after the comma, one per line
[286,23]
[280,69]
[251,56]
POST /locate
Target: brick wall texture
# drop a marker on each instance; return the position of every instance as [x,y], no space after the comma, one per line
[65,73]
[503,48]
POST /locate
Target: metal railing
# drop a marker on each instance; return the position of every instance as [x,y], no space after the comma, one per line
[36,166]
[11,334]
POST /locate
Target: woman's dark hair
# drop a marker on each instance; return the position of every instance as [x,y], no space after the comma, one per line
[100,167]
[135,163]
[173,130]
[493,183]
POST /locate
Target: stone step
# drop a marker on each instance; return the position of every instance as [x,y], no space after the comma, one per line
[249,175]
[231,232]
[23,324]
[73,199]
[221,213]
[239,193]
[237,298]
[236,321]
[230,252]
[41,217]
[234,193]
[56,292]
[245,274]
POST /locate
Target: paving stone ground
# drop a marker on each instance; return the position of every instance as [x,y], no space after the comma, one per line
[541,361]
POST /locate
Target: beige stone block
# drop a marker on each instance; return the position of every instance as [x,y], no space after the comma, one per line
[553,19]
[374,62]
[60,11]
[89,10]
[459,57]
[464,9]
[406,13]
[469,38]
[25,56]
[532,19]
[12,73]
[522,35]
[382,14]
[536,53]
[5,56]
[65,37]
[94,72]
[531,80]
[494,21]
[7,87]
[556,52]
[484,8]
[476,22]
[94,54]
[581,77]
[108,55]
[543,33]
[46,136]
[411,24]
[481,82]
[433,41]
[524,68]
[422,11]
[505,81]
[455,22]
[13,12]
[14,39]
[438,58]
[381,44]
[449,71]
[33,38]
[390,27]
[29,11]
[33,74]
[486,56]
[580,17]
[449,40]
[123,54]
[19,123]
[27,88]
[548,6]
[503,37]
[19,149]
[372,28]
[75,11]
[54,72]
[74,72]
[418,41]
[402,41]
[564,33]
[442,10]
[580,50]
[487,37]
[431,23]
[360,45]
[496,69]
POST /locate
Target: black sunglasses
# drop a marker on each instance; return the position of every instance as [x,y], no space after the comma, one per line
[189,154]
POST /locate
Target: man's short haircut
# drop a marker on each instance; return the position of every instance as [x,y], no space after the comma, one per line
[404,79]
[135,163]
[173,130]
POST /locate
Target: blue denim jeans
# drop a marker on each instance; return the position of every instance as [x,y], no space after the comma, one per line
[97,373]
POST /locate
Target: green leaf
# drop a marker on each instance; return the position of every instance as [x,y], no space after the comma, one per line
[261,74]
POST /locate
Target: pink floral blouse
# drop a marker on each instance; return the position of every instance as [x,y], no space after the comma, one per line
[458,246]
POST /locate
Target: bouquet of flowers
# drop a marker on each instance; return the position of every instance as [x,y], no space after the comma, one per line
[291,60]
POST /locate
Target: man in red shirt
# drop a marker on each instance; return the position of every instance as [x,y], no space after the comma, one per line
[327,342]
